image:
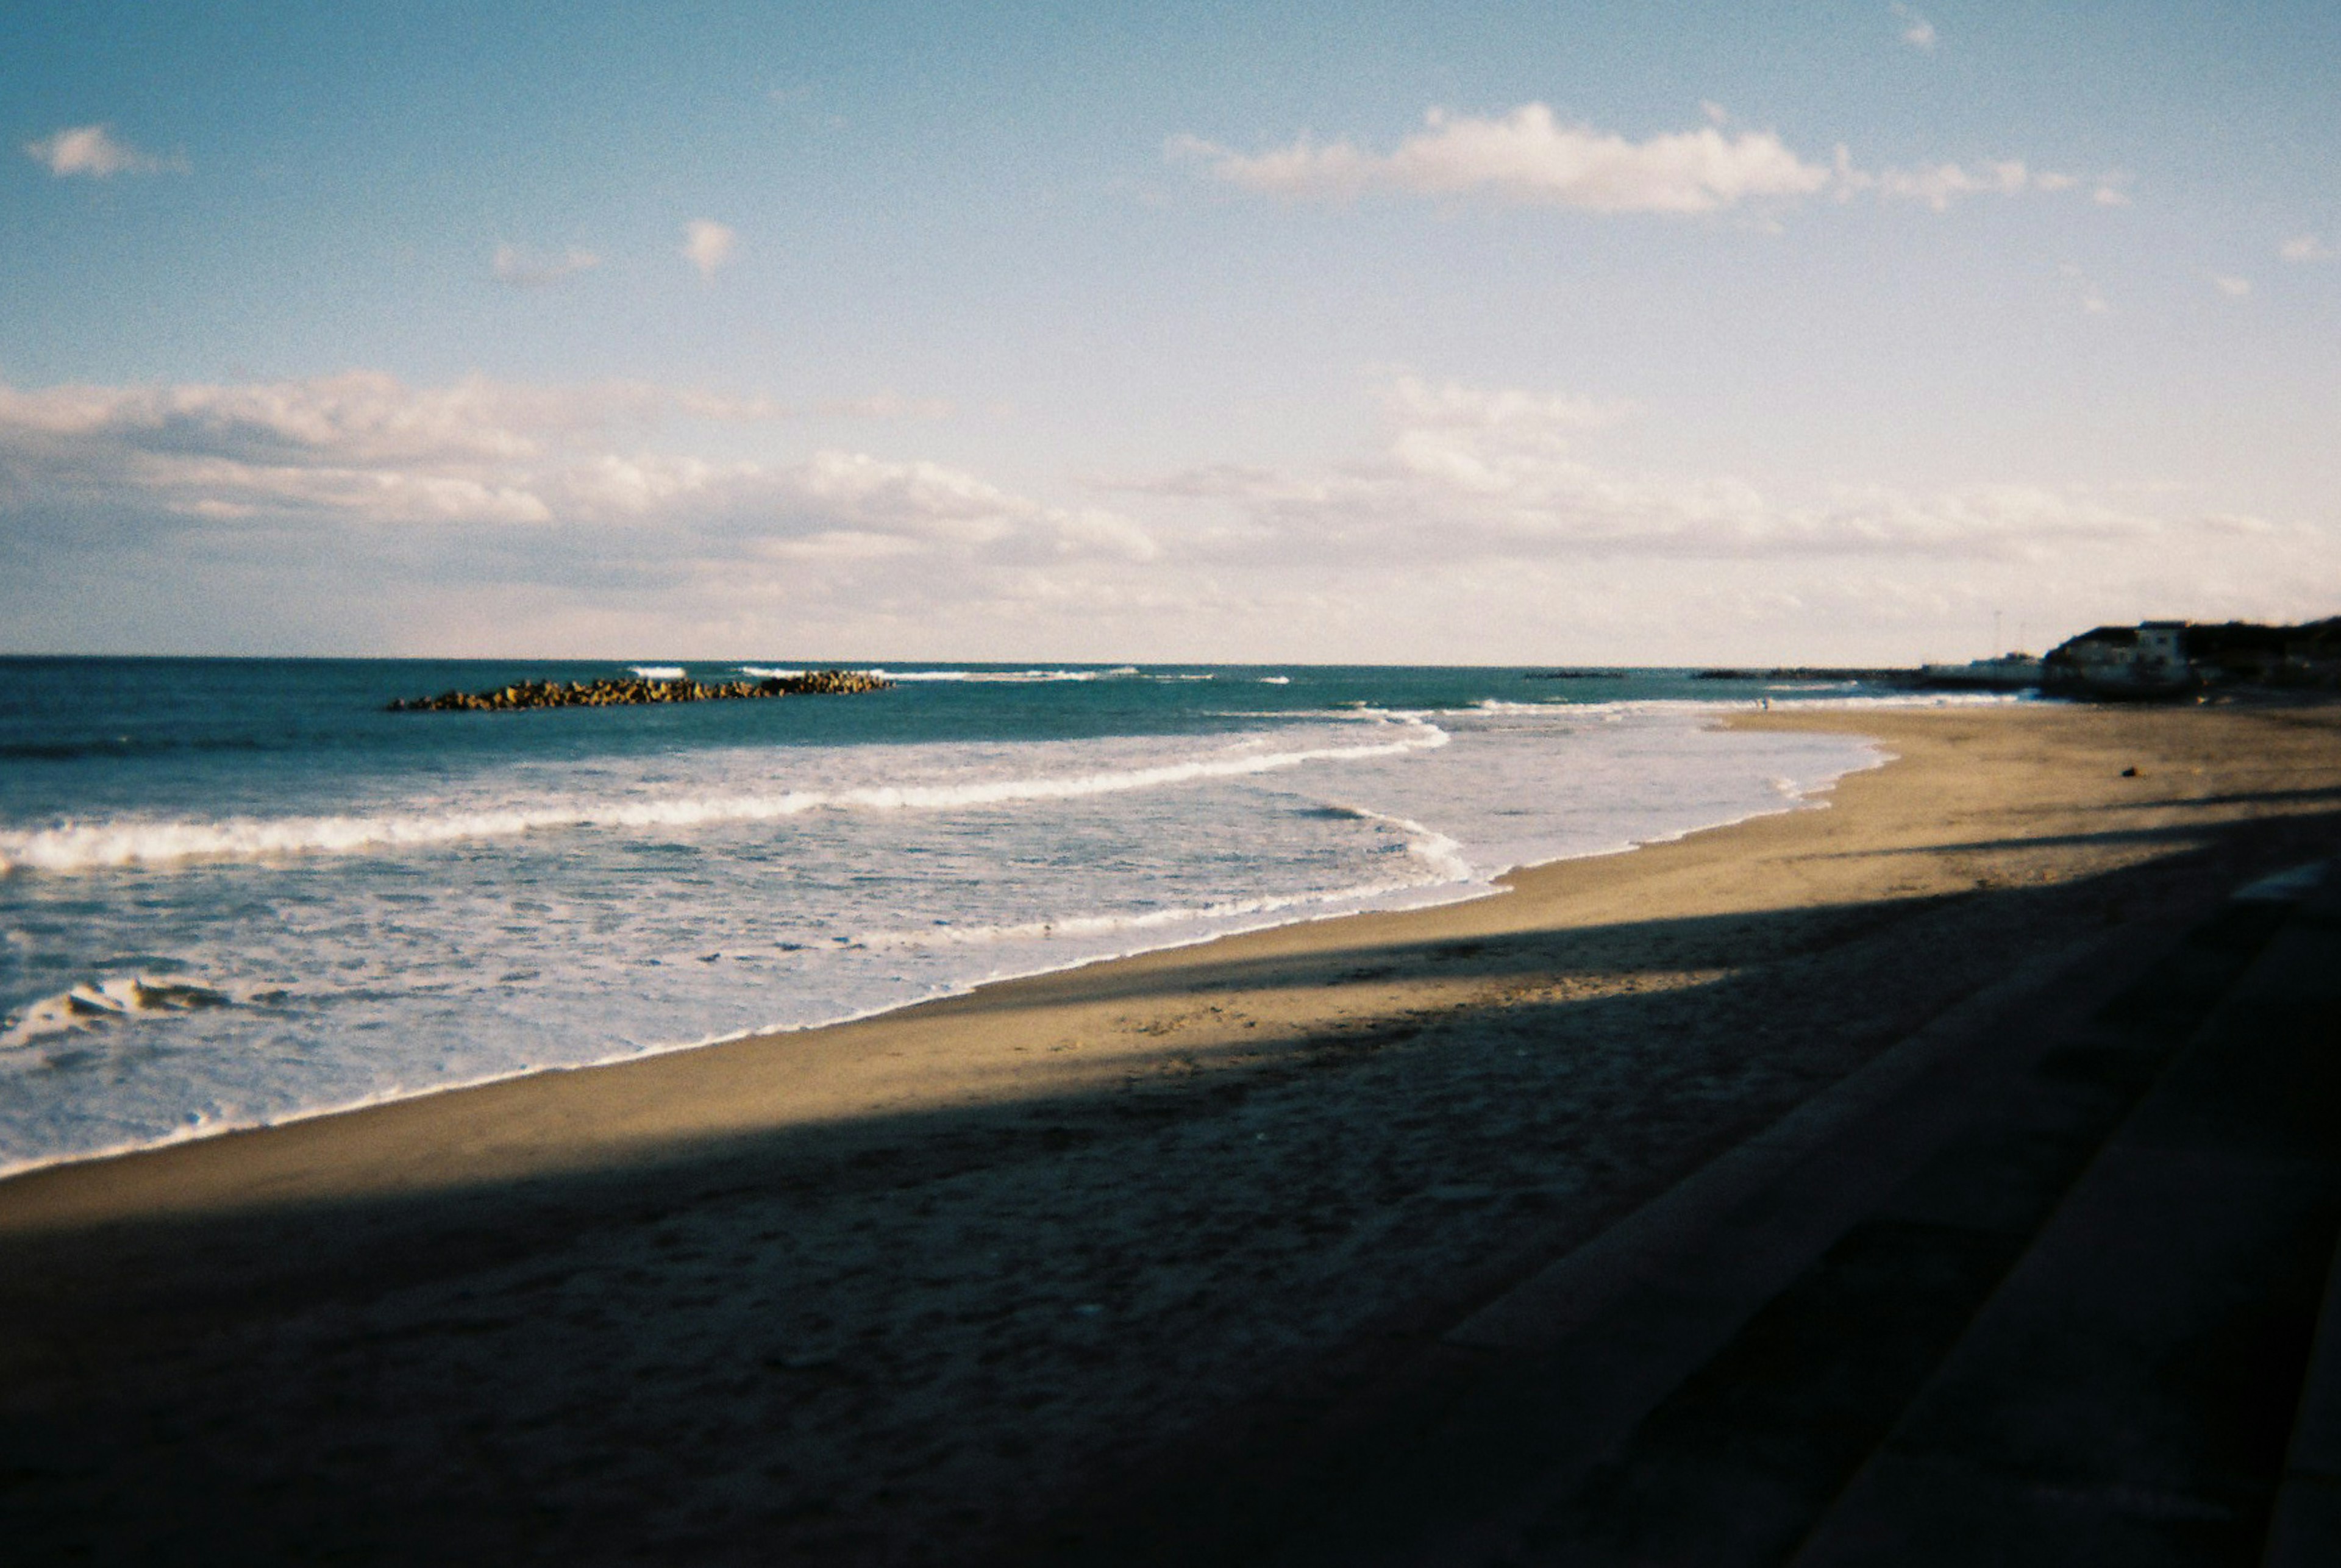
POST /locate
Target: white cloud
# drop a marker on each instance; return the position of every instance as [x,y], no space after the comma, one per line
[2109,194]
[1528,157]
[1482,523]
[360,463]
[526,269]
[2232,287]
[1939,185]
[2307,248]
[709,245]
[93,151]
[1916,31]
[1467,474]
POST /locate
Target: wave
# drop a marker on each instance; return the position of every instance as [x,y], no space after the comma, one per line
[1444,854]
[1441,856]
[107,1001]
[1007,677]
[1725,707]
[82,847]
[658,672]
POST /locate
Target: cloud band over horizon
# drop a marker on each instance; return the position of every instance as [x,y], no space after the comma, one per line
[571,494]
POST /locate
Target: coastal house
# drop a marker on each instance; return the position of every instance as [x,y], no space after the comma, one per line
[2239,653]
[2170,658]
[2148,660]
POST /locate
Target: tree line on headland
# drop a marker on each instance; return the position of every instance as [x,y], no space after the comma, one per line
[629,690]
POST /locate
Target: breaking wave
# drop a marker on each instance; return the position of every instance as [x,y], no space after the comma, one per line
[107,1001]
[81,847]
[1440,857]
[1007,677]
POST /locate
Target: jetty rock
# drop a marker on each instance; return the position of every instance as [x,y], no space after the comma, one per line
[632,691]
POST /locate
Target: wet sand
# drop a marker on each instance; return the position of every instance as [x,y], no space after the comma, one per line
[896,1290]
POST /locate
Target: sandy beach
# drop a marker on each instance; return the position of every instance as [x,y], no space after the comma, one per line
[902,1290]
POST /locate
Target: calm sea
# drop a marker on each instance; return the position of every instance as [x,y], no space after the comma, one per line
[236,891]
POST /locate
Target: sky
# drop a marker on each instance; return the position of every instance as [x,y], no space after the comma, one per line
[1507,334]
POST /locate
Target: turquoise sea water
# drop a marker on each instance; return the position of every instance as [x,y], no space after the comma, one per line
[235,891]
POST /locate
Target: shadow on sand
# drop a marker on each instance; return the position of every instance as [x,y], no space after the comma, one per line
[901,1338]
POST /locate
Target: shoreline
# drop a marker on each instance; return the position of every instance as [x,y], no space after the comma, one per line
[895,1289]
[1335,904]
[1007,990]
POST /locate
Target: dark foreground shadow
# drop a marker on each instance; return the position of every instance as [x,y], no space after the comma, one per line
[905,1337]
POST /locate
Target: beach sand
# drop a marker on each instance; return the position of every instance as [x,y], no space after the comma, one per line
[893,1290]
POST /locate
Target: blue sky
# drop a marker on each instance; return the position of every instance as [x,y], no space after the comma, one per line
[1676,333]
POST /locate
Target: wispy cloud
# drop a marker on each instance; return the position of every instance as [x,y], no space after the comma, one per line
[1530,157]
[875,406]
[1938,185]
[2305,248]
[2232,286]
[2091,299]
[94,152]
[884,405]
[1916,31]
[709,245]
[527,269]
[1415,403]
[1497,474]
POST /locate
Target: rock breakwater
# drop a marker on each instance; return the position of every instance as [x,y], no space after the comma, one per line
[630,691]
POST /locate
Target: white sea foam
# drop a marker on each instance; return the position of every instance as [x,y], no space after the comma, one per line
[660,911]
[81,847]
[1443,856]
[658,672]
[104,1001]
[1007,677]
[1075,927]
[1712,708]
[1440,859]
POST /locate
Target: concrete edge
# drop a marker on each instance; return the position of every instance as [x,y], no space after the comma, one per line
[1572,1290]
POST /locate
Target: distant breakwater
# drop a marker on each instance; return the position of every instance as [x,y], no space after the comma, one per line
[1894,676]
[630,691]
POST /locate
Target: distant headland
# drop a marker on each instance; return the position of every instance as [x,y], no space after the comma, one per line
[2153,660]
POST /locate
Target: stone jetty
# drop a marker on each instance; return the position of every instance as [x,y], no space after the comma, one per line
[629,690]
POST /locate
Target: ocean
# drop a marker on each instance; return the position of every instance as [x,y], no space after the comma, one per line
[235,891]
